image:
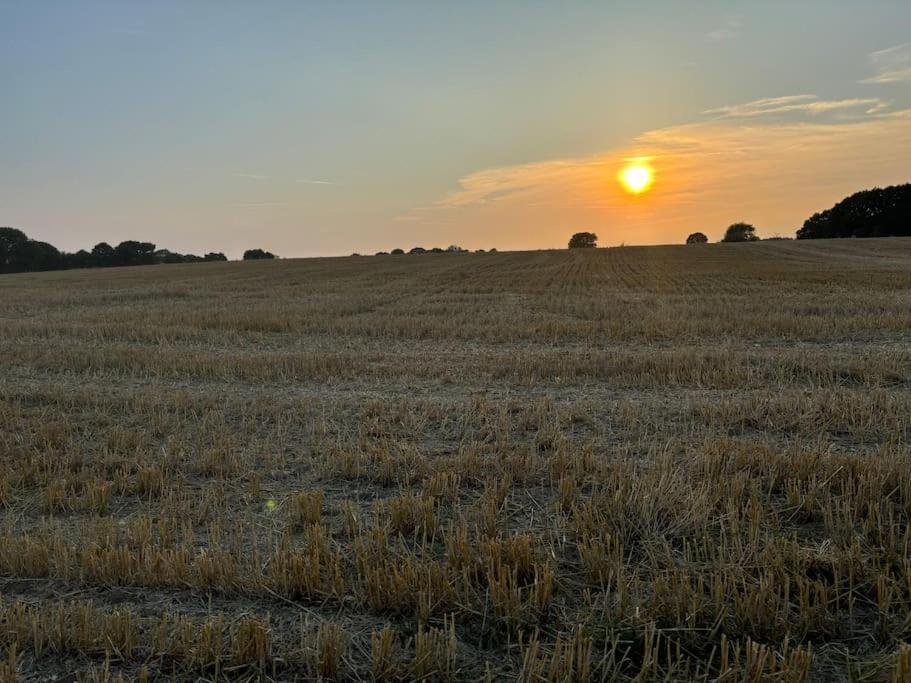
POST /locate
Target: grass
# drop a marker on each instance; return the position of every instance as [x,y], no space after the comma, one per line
[666,463]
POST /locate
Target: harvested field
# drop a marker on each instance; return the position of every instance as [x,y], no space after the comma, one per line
[658,463]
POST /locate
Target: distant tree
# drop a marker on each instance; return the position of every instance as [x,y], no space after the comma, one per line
[18,253]
[11,240]
[417,250]
[880,212]
[697,238]
[33,255]
[492,250]
[455,249]
[479,251]
[397,252]
[165,256]
[81,259]
[355,254]
[740,232]
[257,254]
[133,253]
[382,253]
[436,250]
[103,254]
[583,240]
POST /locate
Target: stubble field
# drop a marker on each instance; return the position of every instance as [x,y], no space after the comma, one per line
[666,463]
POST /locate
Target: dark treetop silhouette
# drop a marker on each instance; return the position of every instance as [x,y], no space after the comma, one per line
[20,254]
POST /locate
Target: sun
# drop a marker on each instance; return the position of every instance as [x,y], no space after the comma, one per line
[636,178]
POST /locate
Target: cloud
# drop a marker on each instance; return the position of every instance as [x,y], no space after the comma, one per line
[708,174]
[252,176]
[732,28]
[314,182]
[892,65]
[799,104]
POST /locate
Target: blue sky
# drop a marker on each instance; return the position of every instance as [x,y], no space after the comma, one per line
[332,127]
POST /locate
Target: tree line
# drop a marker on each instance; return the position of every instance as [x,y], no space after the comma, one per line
[20,254]
[880,212]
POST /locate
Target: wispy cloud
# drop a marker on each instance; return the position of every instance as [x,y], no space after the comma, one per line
[892,65]
[730,29]
[252,176]
[708,174]
[306,181]
[799,104]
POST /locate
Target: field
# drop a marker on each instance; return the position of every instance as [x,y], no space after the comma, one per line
[662,463]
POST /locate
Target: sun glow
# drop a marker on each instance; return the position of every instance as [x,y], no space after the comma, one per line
[636,178]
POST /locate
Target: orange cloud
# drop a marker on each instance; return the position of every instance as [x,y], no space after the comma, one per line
[707,175]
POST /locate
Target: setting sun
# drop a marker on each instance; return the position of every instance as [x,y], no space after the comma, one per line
[636,178]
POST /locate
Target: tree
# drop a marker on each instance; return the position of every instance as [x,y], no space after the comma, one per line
[103,254]
[880,212]
[397,252]
[740,232]
[165,256]
[133,253]
[455,249]
[697,238]
[583,240]
[417,250]
[10,241]
[34,255]
[257,254]
[81,259]
[214,256]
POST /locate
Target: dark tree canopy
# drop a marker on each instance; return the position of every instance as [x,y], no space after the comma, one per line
[133,253]
[11,241]
[257,254]
[740,232]
[417,250]
[880,212]
[583,240]
[397,251]
[19,254]
[697,238]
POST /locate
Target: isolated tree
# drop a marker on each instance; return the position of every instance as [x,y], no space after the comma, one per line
[214,256]
[455,249]
[740,232]
[697,238]
[417,250]
[583,240]
[257,254]
[880,212]
[397,252]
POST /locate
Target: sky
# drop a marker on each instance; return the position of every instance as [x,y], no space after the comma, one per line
[326,128]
